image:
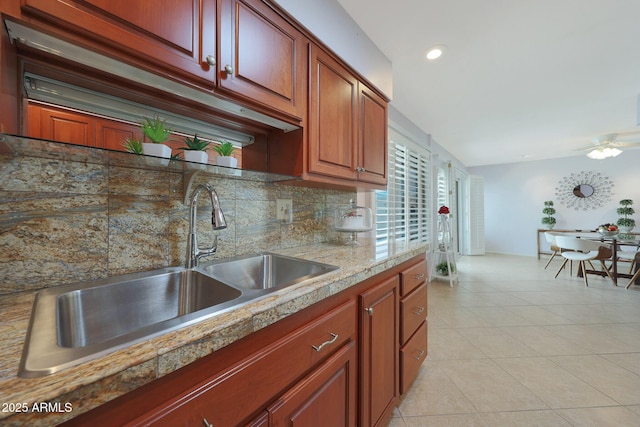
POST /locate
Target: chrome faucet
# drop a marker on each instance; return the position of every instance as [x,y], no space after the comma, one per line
[194,253]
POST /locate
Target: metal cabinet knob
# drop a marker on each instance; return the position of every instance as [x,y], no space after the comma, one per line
[228,69]
[369,310]
[211,60]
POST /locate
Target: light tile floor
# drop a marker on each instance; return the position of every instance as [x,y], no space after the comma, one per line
[509,345]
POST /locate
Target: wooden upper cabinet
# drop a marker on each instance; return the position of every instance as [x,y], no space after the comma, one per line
[347,124]
[172,35]
[332,117]
[372,142]
[262,57]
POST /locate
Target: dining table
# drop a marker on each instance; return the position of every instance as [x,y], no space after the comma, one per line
[617,243]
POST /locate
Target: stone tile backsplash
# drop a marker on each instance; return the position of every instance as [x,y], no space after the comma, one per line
[65,221]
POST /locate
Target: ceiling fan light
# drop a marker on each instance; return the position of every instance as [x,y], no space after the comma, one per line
[612,152]
[603,153]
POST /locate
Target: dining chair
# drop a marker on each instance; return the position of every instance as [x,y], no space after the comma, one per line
[628,255]
[551,239]
[583,251]
[636,274]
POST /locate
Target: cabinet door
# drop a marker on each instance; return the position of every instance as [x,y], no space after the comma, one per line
[379,352]
[174,35]
[372,137]
[326,397]
[332,118]
[112,135]
[65,126]
[262,56]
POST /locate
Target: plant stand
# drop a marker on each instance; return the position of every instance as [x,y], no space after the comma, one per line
[444,253]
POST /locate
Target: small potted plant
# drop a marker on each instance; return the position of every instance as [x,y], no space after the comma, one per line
[196,150]
[224,158]
[156,131]
[625,223]
[133,145]
[443,268]
[549,221]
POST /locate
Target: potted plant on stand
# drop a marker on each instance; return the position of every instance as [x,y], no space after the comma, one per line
[157,133]
[196,150]
[224,158]
[626,224]
[443,268]
[549,221]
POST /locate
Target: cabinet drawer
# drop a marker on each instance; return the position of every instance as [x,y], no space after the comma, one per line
[411,357]
[412,277]
[413,311]
[229,397]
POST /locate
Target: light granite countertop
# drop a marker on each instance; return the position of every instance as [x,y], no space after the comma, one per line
[54,398]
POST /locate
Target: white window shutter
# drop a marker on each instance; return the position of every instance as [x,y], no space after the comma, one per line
[476,215]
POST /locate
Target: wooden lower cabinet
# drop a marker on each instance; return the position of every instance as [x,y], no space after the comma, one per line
[413,322]
[379,352]
[335,363]
[326,397]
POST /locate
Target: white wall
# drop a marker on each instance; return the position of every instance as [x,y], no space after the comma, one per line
[515,193]
[328,20]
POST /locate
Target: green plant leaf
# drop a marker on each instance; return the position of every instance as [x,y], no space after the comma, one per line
[155,129]
[133,145]
[224,149]
[195,144]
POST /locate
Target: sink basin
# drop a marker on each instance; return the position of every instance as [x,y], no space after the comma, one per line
[96,314]
[74,323]
[265,272]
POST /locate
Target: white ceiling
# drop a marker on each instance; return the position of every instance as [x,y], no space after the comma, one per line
[520,79]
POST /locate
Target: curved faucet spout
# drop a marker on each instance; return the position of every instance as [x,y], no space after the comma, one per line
[194,253]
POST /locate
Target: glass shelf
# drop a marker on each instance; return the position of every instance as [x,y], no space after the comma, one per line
[14,145]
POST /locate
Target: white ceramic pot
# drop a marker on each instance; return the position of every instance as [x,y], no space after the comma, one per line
[196,156]
[625,229]
[228,161]
[157,150]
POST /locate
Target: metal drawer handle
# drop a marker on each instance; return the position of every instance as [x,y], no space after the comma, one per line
[206,423]
[419,276]
[333,339]
[418,311]
[419,356]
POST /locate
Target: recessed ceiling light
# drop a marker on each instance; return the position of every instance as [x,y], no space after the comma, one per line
[435,52]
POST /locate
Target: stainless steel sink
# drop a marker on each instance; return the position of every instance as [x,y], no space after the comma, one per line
[76,323]
[265,272]
[79,322]
[99,313]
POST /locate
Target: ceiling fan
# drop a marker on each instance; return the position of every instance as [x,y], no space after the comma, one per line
[611,145]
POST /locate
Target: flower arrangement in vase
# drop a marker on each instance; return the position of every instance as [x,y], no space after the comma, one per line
[625,223]
[549,211]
